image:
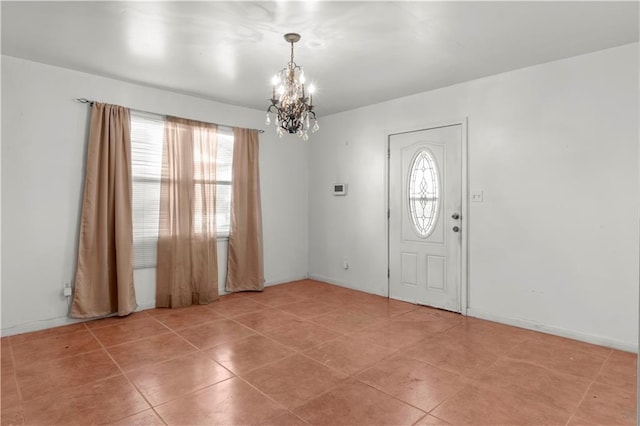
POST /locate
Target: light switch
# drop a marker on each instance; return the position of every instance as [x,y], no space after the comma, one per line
[476,196]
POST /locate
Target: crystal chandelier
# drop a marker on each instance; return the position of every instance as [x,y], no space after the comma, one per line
[293,106]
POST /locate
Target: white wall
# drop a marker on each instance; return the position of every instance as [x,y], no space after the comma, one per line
[554,147]
[43,154]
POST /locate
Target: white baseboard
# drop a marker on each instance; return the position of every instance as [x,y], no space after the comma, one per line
[38,325]
[277,281]
[530,325]
[143,306]
[270,283]
[556,331]
[346,285]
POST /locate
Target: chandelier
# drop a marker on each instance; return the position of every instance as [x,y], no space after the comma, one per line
[291,104]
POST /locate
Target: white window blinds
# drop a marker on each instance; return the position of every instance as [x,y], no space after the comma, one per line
[147,133]
[224,159]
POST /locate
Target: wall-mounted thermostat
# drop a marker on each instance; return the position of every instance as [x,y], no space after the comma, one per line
[339,189]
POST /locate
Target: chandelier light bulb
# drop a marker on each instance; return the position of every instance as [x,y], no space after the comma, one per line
[312,88]
[291,102]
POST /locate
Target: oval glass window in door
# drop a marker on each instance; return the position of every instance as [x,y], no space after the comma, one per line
[424,193]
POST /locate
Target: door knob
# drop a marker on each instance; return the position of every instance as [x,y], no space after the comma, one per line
[456,216]
[456,229]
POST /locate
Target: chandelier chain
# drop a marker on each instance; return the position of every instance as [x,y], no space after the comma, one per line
[292,54]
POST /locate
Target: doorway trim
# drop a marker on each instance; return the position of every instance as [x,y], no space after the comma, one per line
[464,244]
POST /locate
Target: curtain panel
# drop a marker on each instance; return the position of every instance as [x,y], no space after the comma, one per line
[187,268]
[104,271]
[245,261]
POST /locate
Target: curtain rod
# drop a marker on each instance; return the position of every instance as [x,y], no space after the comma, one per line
[90,102]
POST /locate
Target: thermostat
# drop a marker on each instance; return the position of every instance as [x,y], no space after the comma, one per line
[339,189]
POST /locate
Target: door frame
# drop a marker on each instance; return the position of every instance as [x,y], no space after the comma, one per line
[464,244]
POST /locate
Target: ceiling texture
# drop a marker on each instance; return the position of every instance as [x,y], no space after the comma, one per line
[356,53]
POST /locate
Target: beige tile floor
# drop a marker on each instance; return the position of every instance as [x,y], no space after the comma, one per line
[310,353]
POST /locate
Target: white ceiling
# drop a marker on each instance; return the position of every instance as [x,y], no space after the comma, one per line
[357,53]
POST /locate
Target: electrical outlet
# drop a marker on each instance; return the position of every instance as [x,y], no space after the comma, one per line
[66,288]
[477,196]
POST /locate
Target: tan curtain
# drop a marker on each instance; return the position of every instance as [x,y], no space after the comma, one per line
[187,271]
[104,272]
[245,267]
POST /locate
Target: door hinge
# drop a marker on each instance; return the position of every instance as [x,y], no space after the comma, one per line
[388,213]
[388,153]
[388,273]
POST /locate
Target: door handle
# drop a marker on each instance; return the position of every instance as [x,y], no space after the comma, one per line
[455,216]
[456,229]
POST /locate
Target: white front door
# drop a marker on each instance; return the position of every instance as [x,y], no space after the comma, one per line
[425,217]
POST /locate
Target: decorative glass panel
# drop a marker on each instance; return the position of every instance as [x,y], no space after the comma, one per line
[424,193]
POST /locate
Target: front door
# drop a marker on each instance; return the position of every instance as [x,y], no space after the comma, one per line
[425,217]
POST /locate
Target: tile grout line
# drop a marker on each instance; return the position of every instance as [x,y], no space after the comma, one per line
[472,381]
[426,413]
[469,381]
[475,379]
[553,370]
[434,416]
[263,394]
[196,351]
[296,352]
[18,388]
[15,378]
[352,377]
[466,383]
[255,333]
[104,348]
[233,374]
[586,392]
[127,342]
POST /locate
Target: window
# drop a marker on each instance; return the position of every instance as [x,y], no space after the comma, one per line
[147,133]
[424,193]
[224,158]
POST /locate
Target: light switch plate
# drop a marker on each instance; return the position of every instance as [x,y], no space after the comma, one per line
[477,196]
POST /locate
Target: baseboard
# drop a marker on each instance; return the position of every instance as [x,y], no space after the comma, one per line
[345,284]
[270,283]
[277,281]
[556,331]
[143,306]
[38,325]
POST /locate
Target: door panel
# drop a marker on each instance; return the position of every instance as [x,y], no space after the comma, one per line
[409,269]
[425,190]
[436,273]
